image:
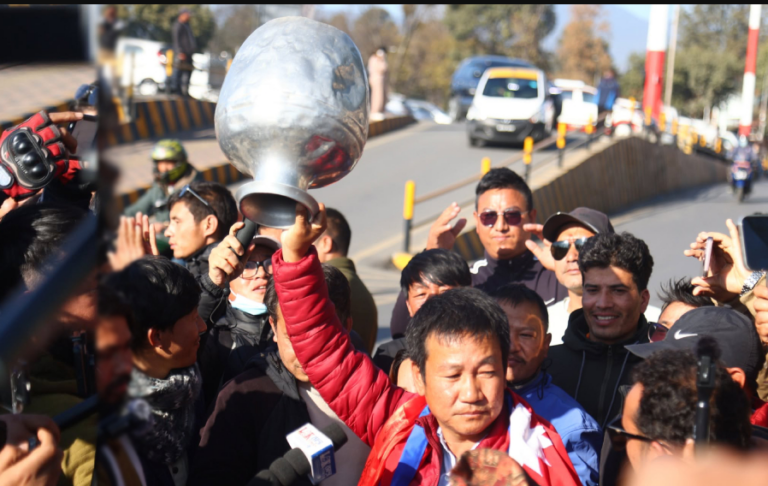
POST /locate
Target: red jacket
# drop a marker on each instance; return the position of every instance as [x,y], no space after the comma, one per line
[355,389]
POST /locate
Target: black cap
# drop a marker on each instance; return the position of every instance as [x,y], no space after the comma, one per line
[734,332]
[589,218]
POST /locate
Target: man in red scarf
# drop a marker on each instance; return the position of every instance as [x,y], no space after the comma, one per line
[459,344]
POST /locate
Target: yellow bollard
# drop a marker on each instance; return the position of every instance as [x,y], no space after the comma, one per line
[674,127]
[410,196]
[694,137]
[632,101]
[703,141]
[590,128]
[485,165]
[169,62]
[648,113]
[718,145]
[527,149]
[229,63]
[662,121]
[561,131]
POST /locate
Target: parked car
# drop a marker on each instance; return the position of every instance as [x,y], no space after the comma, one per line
[510,104]
[141,64]
[579,105]
[424,110]
[396,105]
[467,76]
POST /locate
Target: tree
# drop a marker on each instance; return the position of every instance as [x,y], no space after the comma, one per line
[153,21]
[633,81]
[508,30]
[583,52]
[374,29]
[340,21]
[237,22]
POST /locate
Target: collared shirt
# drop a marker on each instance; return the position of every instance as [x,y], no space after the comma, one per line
[449,460]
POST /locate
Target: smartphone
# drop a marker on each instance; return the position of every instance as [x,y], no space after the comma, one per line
[84,131]
[754,241]
[707,256]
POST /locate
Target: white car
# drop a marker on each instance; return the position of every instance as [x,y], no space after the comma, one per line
[579,103]
[510,104]
[424,110]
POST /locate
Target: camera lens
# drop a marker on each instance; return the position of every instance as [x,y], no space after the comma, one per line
[21,144]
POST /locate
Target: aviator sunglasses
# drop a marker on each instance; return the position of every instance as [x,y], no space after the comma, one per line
[188,190]
[560,248]
[513,217]
[657,332]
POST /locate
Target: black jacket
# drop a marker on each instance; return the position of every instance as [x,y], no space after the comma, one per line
[592,372]
[247,428]
[211,307]
[183,39]
[490,274]
[235,338]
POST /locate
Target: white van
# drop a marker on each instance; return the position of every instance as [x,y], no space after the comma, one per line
[510,104]
[579,103]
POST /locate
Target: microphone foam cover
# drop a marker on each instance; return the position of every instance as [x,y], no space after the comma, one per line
[284,471]
[336,434]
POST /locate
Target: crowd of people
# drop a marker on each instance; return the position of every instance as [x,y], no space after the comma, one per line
[208,352]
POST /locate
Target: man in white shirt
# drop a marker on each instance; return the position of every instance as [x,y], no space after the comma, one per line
[569,231]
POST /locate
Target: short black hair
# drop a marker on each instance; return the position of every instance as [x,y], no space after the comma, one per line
[222,205]
[668,404]
[338,229]
[111,304]
[682,291]
[461,313]
[515,294]
[339,292]
[159,291]
[28,236]
[438,266]
[503,178]
[621,250]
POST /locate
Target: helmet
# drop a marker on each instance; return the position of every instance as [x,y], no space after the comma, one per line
[170,150]
[743,142]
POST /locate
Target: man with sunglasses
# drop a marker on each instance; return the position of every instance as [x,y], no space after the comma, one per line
[201,215]
[503,208]
[243,330]
[660,410]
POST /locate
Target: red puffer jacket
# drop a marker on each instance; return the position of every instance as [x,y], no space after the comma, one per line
[361,394]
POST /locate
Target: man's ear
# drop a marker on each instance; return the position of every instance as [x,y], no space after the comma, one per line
[408,306]
[547,342]
[738,375]
[274,328]
[645,296]
[324,244]
[153,337]
[418,380]
[210,225]
[659,450]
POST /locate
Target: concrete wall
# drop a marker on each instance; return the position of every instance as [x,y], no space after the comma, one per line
[625,173]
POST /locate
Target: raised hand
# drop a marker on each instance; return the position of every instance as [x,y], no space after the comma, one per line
[227,260]
[727,272]
[544,254]
[442,234]
[297,239]
[129,245]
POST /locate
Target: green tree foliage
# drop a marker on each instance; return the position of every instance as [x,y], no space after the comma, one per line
[237,22]
[374,29]
[583,50]
[508,30]
[633,81]
[153,21]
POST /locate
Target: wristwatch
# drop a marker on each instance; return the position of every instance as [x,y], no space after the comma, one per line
[751,281]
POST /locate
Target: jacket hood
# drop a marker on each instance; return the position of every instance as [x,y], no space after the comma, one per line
[575,336]
[270,363]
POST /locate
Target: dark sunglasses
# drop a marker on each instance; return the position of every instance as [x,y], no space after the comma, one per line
[188,190]
[513,217]
[560,248]
[657,332]
[619,436]
[252,268]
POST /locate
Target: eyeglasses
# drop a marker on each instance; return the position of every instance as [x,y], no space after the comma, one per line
[186,189]
[619,436]
[657,332]
[252,268]
[560,248]
[513,217]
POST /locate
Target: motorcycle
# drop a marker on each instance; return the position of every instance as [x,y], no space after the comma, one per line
[741,178]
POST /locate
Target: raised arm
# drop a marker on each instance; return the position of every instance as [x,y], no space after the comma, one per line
[355,389]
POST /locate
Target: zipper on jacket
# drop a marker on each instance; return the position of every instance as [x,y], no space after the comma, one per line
[606,377]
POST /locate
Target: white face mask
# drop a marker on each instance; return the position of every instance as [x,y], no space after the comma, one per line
[247,305]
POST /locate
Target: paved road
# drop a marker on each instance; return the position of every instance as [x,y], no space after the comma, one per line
[668,224]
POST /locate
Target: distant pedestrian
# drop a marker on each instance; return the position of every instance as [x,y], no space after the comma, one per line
[184,45]
[607,91]
[377,77]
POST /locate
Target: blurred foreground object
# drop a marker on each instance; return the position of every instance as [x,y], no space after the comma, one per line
[293,113]
[715,467]
[488,467]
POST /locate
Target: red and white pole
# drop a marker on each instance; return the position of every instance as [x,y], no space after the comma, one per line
[654,58]
[748,93]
